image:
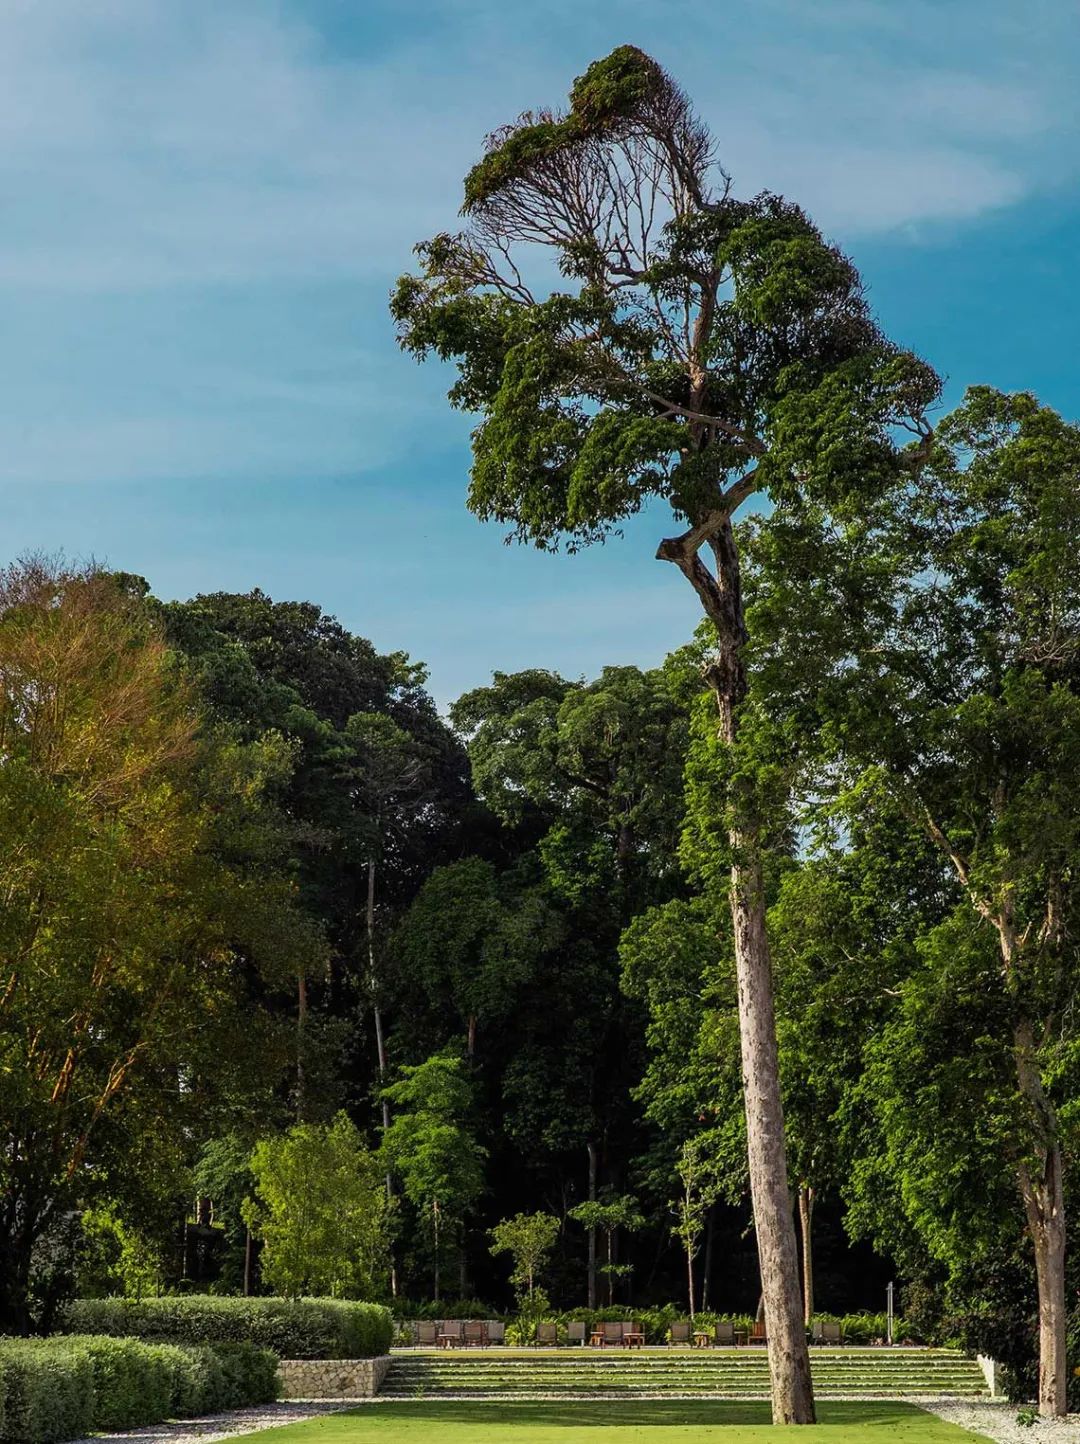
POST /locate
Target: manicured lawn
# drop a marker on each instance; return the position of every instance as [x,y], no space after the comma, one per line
[645,1421]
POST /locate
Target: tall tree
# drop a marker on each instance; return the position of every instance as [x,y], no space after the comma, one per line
[145,909]
[703,349]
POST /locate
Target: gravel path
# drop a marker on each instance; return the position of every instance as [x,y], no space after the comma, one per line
[998,1421]
[224,1426]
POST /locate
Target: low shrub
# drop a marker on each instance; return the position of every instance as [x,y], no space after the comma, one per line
[48,1392]
[292,1328]
[69,1386]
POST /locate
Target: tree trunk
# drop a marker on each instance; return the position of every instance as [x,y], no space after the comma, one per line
[806,1215]
[380,1041]
[774,1225]
[247,1263]
[435,1221]
[706,1267]
[690,1278]
[1044,1205]
[592,1227]
[470,1042]
[301,1019]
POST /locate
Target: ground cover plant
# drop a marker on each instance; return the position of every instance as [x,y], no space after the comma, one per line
[645,1421]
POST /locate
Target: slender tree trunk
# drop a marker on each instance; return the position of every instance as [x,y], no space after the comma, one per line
[435,1223]
[1044,1204]
[470,1043]
[690,1277]
[806,1216]
[592,1227]
[247,1262]
[706,1267]
[380,1041]
[774,1224]
[301,1019]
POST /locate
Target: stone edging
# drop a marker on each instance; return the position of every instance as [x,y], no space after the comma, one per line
[332,1378]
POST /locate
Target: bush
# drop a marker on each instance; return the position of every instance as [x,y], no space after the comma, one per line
[67,1387]
[48,1392]
[292,1328]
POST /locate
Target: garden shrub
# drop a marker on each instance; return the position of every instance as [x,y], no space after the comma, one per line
[69,1386]
[48,1392]
[292,1328]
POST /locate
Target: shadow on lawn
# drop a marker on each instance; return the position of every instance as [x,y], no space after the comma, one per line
[580,1414]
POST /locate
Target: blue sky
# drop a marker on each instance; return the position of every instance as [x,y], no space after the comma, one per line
[206,202]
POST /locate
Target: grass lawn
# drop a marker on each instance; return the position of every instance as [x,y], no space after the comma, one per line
[620,1421]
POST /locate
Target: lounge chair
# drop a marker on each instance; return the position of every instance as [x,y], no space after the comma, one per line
[757,1333]
[633,1334]
[831,1333]
[475,1333]
[496,1330]
[547,1333]
[612,1332]
[451,1333]
[724,1333]
[576,1331]
[427,1332]
[680,1333]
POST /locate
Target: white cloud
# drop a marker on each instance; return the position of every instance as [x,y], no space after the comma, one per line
[145,143]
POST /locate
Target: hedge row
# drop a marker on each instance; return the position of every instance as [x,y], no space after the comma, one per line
[71,1386]
[293,1328]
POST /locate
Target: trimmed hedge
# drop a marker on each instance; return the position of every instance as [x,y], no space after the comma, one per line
[69,1386]
[292,1328]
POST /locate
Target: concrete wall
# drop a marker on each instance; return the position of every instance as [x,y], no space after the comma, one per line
[332,1378]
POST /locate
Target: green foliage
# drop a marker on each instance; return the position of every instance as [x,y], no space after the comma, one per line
[320,1209]
[68,1387]
[529,1239]
[115,1256]
[429,1144]
[147,913]
[292,1328]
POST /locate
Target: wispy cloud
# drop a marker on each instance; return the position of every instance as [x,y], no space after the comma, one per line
[145,143]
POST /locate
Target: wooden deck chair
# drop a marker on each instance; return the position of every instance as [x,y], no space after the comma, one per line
[680,1333]
[547,1333]
[576,1332]
[427,1332]
[612,1332]
[475,1333]
[724,1332]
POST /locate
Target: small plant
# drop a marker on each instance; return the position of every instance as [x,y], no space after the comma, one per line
[1027,1416]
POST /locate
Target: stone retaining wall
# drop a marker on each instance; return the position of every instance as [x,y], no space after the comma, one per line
[332,1378]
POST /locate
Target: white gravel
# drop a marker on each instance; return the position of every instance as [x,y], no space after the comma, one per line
[224,1426]
[997,1421]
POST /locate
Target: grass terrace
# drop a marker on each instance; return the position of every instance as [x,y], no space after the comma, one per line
[615,1422]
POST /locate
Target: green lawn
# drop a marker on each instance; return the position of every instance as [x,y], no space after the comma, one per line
[645,1421]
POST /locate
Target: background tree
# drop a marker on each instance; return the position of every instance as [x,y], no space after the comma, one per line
[610,1214]
[321,1212]
[703,348]
[944,631]
[700,1188]
[145,907]
[528,1238]
[430,1147]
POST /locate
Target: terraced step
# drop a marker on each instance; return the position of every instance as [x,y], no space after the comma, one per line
[731,1373]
